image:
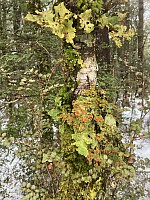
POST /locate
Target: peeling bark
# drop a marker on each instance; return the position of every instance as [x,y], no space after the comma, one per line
[87,76]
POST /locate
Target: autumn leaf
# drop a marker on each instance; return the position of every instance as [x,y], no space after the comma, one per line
[85,21]
[62,12]
[69,31]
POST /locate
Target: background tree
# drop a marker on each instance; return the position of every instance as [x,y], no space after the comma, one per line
[141,30]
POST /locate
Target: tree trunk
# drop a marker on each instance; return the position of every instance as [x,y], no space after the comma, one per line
[141,47]
[140,30]
[102,46]
[87,75]
[16,16]
[3,28]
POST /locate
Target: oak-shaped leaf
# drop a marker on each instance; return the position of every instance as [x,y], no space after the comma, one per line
[85,22]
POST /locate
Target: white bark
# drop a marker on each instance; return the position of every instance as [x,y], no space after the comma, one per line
[87,76]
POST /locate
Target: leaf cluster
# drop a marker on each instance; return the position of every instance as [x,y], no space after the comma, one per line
[61,22]
[89,132]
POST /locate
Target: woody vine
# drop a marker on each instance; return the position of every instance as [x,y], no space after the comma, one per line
[93,157]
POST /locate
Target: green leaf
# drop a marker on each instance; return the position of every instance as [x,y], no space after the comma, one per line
[110,120]
[32,18]
[114,20]
[46,157]
[55,114]
[81,145]
[103,21]
[105,157]
[82,150]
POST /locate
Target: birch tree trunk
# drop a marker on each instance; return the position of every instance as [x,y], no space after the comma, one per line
[87,76]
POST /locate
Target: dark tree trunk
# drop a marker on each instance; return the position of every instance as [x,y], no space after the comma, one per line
[16,16]
[140,30]
[102,46]
[3,26]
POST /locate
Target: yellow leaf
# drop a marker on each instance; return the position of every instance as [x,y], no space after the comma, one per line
[69,31]
[85,21]
[32,18]
[92,194]
[113,184]
[48,16]
[62,12]
[80,62]
[121,15]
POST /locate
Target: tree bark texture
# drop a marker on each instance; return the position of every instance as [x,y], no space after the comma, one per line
[16,16]
[102,46]
[87,76]
[140,30]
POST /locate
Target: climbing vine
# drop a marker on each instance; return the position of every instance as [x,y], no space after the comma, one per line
[89,132]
